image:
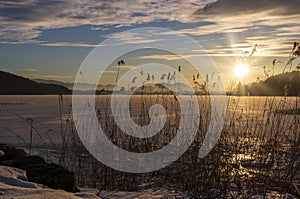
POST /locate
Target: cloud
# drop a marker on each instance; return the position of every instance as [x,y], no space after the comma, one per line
[124,67]
[57,76]
[133,38]
[229,8]
[272,46]
[292,30]
[31,11]
[69,44]
[25,20]
[273,24]
[202,53]
[238,16]
[30,69]
[161,56]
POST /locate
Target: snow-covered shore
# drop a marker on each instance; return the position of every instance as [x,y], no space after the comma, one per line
[14,184]
[23,176]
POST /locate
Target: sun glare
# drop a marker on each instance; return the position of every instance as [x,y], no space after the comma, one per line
[241,70]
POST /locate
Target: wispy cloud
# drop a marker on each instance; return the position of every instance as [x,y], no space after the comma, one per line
[25,20]
[69,44]
[206,53]
[124,67]
[230,8]
[275,21]
[133,38]
[30,69]
[161,56]
[57,76]
[238,16]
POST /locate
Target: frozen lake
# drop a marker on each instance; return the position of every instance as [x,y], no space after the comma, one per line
[15,112]
[260,135]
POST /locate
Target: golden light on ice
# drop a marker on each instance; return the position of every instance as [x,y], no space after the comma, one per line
[241,70]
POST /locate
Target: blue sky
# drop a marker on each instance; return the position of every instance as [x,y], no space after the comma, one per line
[49,39]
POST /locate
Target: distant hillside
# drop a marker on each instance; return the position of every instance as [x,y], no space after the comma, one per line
[16,85]
[48,81]
[277,85]
[80,86]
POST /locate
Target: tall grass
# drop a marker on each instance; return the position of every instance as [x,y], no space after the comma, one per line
[257,153]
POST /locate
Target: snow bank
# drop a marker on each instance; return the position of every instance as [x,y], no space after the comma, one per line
[14,184]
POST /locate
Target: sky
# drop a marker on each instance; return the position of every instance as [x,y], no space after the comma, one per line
[50,39]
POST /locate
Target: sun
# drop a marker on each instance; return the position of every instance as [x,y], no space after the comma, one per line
[241,70]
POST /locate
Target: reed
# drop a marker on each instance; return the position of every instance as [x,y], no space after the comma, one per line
[259,146]
[257,153]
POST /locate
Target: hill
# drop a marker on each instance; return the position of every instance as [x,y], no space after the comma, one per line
[47,81]
[80,86]
[11,84]
[277,85]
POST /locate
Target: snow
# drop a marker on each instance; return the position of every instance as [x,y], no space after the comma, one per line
[1,153]
[14,184]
